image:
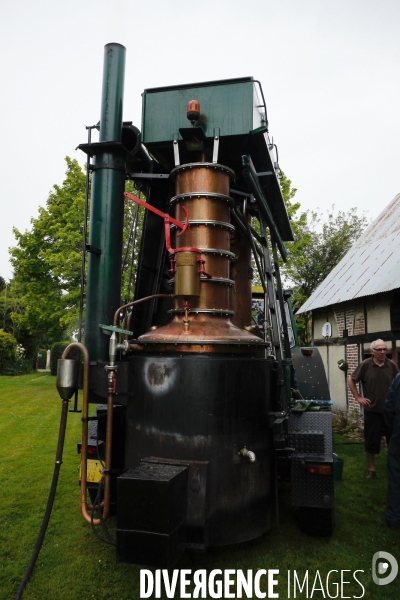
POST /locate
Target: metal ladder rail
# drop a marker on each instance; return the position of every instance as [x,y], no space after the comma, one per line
[285,335]
[265,273]
[270,294]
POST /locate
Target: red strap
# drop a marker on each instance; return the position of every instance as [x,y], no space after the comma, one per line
[182,226]
[167,221]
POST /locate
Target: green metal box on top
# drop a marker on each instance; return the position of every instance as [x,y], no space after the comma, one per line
[233,110]
[230,105]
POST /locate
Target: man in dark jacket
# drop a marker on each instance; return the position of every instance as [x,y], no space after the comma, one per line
[375,375]
[391,416]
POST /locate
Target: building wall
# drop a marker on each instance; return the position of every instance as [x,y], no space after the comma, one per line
[353,360]
[358,317]
[336,378]
[378,312]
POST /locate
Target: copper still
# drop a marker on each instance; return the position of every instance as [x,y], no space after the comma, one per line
[203,299]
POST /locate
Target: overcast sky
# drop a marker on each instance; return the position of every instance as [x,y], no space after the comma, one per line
[329,69]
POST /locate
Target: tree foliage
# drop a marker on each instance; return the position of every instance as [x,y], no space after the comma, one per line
[133,225]
[297,222]
[11,306]
[321,241]
[328,237]
[8,345]
[47,260]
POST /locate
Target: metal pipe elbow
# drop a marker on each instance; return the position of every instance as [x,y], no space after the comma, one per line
[248,454]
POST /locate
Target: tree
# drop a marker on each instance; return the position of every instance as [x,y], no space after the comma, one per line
[321,241]
[47,260]
[8,345]
[11,305]
[133,225]
[297,223]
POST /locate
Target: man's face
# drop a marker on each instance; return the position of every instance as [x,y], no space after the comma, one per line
[379,352]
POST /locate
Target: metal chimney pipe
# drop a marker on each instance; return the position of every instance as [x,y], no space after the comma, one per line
[107,209]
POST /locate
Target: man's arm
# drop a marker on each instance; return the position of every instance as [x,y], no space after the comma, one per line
[354,391]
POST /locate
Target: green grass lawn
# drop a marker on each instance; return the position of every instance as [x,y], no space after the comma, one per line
[75,565]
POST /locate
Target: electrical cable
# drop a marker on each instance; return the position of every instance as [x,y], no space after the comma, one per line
[50,501]
[97,503]
[109,539]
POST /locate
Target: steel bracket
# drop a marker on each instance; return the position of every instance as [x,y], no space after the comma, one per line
[216,145]
[176,153]
[93,249]
[116,329]
[149,175]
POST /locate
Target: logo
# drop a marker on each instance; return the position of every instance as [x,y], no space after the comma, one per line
[380,566]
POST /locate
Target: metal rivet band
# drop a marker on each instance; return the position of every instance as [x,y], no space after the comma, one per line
[196,311]
[207,223]
[202,165]
[208,195]
[219,252]
[223,280]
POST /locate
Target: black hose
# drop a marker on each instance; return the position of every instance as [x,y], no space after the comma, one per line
[50,501]
[108,539]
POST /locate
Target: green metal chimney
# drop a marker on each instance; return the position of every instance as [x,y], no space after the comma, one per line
[106,209]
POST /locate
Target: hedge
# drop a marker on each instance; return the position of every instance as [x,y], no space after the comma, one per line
[21,366]
[8,346]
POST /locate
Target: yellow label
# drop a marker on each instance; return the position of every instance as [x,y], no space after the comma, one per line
[94,474]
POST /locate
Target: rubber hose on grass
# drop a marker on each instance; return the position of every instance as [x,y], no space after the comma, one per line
[50,501]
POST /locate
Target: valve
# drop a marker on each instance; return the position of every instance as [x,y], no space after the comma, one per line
[249,454]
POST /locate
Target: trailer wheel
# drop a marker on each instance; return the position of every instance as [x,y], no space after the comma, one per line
[318,522]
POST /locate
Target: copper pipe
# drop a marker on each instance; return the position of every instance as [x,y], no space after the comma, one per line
[186,322]
[203,327]
[242,274]
[85,435]
[203,190]
[198,348]
[117,312]
[209,223]
[107,482]
[202,177]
